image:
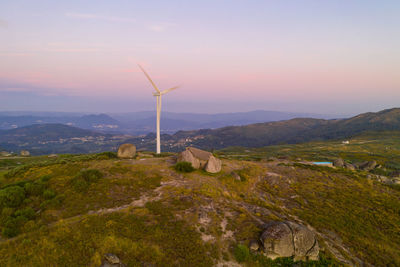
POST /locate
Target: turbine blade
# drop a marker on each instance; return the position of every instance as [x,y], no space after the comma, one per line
[148,77]
[169,90]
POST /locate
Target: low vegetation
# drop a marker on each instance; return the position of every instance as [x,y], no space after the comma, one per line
[71,210]
[184,167]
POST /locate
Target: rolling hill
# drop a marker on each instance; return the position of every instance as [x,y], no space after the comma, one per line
[291,131]
[56,138]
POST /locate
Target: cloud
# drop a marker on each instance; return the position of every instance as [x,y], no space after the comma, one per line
[3,23]
[99,17]
[160,27]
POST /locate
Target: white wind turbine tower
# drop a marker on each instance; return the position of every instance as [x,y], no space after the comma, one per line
[158,94]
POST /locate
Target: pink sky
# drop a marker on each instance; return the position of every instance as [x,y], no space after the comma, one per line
[310,57]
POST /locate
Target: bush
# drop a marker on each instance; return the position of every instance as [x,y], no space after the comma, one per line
[241,253]
[34,189]
[107,155]
[91,175]
[28,213]
[49,194]
[12,196]
[184,167]
[82,181]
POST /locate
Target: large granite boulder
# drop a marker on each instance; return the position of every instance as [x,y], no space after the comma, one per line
[126,151]
[213,165]
[188,157]
[287,239]
[200,159]
[277,240]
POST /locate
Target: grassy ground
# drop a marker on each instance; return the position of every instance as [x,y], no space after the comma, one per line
[72,210]
[384,147]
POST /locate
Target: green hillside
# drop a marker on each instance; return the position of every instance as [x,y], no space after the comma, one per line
[292,131]
[71,210]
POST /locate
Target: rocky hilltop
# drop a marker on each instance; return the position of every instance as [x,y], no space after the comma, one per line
[93,210]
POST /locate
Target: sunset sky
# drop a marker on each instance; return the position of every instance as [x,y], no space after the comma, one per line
[328,57]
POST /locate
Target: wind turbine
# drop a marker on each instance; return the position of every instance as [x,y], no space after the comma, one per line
[158,94]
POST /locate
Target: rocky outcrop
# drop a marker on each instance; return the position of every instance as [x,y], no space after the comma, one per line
[236,176]
[367,165]
[287,239]
[200,159]
[349,166]
[126,151]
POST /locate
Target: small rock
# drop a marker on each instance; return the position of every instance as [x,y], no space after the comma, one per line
[126,151]
[112,258]
[52,156]
[254,245]
[25,153]
[338,163]
[236,176]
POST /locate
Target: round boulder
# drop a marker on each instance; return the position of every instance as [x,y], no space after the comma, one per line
[287,239]
[126,151]
[277,240]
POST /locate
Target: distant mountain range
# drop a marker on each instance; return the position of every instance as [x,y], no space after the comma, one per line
[59,138]
[139,123]
[290,131]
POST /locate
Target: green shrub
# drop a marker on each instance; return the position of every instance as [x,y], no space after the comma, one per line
[34,188]
[184,167]
[49,194]
[10,231]
[91,175]
[12,196]
[106,155]
[28,213]
[241,253]
[82,181]
[45,178]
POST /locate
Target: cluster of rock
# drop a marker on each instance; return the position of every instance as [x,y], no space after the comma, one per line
[200,159]
[111,260]
[385,179]
[287,239]
[126,151]
[364,166]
